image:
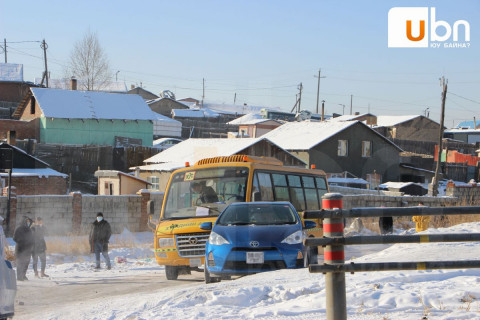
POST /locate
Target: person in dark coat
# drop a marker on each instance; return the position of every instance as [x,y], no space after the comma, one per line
[206,194]
[99,237]
[23,236]
[40,247]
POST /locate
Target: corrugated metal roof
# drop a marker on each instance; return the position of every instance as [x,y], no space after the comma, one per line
[73,104]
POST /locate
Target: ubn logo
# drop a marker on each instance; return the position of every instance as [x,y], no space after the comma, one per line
[408,28]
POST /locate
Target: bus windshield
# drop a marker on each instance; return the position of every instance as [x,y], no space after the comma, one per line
[204,192]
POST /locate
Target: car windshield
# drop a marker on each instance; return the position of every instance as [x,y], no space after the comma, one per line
[258,214]
[204,192]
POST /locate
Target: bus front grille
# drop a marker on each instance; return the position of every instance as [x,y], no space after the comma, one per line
[191,244]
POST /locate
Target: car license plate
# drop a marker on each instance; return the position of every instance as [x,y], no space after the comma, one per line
[195,262]
[255,257]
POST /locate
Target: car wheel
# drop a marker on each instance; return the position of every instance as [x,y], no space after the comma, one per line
[209,278]
[171,272]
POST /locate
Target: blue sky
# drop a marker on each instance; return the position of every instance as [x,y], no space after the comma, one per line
[260,50]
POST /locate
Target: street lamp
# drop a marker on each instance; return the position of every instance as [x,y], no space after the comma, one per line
[343,111]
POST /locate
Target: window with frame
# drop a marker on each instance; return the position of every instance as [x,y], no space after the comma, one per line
[342,148]
[155,183]
[366,149]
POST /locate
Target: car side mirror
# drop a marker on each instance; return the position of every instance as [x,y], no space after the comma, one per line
[206,226]
[310,224]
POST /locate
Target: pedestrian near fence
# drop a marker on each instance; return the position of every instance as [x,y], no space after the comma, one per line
[39,248]
[23,237]
[99,238]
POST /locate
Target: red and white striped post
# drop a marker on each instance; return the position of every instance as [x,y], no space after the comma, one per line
[334,255]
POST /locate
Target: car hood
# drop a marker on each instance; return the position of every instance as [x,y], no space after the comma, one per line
[265,235]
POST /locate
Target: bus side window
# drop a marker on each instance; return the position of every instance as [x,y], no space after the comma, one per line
[265,184]
[281,189]
[296,192]
[310,193]
[321,187]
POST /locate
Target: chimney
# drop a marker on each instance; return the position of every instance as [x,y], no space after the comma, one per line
[73,84]
[11,137]
[137,172]
[357,113]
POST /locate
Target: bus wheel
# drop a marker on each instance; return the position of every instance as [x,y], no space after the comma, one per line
[171,273]
[209,278]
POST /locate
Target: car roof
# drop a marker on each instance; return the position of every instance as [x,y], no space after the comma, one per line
[261,203]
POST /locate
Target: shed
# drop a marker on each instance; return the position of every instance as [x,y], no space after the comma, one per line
[112,182]
[30,175]
[410,127]
[408,188]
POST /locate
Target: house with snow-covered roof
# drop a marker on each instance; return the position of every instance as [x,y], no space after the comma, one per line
[158,168]
[410,127]
[254,125]
[89,117]
[340,146]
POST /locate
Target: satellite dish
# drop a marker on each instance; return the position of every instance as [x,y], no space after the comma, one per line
[167,94]
[303,115]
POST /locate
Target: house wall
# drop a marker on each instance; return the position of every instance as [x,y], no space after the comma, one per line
[417,129]
[163,181]
[131,186]
[13,91]
[384,159]
[34,185]
[263,128]
[115,181]
[27,114]
[165,107]
[23,129]
[93,131]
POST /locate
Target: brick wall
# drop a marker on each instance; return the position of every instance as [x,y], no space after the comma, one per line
[23,129]
[74,213]
[31,185]
[468,195]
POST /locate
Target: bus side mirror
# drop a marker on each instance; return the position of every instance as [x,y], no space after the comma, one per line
[257,196]
[310,224]
[206,226]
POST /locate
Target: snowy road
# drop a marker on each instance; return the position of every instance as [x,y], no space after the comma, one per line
[37,297]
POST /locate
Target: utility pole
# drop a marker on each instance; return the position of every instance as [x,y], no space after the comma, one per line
[434,191]
[318,87]
[203,92]
[235,98]
[44,46]
[351,104]
[299,97]
[5,48]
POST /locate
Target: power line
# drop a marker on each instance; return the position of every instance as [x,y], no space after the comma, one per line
[457,95]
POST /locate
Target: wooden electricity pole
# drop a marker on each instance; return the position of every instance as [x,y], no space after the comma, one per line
[434,191]
[318,85]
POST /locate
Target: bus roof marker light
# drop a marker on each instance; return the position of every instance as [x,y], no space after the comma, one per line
[187,164]
[312,166]
[245,159]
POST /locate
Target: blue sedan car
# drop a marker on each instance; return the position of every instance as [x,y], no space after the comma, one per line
[254,237]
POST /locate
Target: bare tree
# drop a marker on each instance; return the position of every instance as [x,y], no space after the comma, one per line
[89,63]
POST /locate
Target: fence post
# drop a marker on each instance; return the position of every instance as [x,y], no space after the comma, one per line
[334,254]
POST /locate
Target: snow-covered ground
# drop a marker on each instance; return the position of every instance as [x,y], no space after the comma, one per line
[284,294]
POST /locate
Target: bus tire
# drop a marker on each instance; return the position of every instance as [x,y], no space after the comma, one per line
[171,272]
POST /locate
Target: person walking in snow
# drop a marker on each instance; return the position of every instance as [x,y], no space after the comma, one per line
[23,236]
[99,237]
[40,247]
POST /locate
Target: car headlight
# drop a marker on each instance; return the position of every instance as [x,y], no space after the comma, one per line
[166,242]
[216,239]
[294,238]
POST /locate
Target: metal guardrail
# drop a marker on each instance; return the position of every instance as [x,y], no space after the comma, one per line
[334,241]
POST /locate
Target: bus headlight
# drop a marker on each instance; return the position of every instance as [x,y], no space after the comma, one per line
[166,242]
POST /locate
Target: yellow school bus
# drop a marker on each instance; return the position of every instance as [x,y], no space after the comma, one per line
[198,193]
